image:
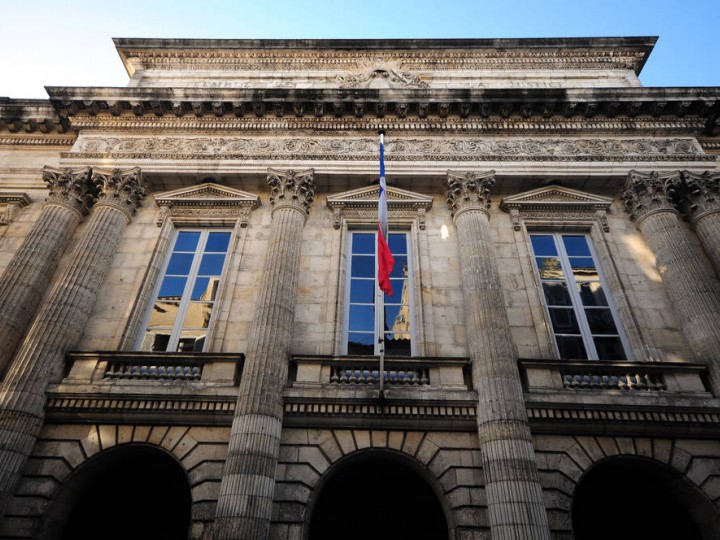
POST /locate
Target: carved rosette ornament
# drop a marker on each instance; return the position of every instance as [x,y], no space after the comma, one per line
[294,189]
[71,188]
[469,191]
[701,194]
[649,193]
[123,189]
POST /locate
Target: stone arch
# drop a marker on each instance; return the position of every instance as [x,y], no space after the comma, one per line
[451,461]
[564,460]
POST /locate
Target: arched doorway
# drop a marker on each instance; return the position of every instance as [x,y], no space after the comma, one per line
[630,498]
[377,495]
[131,491]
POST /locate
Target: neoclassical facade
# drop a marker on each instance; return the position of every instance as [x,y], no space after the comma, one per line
[189,330]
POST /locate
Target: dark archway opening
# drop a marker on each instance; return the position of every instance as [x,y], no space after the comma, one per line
[380,498]
[632,499]
[131,492]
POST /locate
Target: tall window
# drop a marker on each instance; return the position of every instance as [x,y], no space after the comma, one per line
[184,305]
[363,320]
[582,318]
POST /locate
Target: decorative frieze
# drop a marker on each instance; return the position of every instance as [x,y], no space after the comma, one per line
[291,188]
[469,191]
[649,193]
[71,188]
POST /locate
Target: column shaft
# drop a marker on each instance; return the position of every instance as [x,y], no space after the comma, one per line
[246,493]
[515,503]
[708,230]
[57,328]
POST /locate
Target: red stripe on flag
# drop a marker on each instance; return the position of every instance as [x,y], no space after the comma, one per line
[385,264]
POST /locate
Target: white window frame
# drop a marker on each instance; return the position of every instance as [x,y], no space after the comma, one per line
[411,291]
[577,304]
[186,297]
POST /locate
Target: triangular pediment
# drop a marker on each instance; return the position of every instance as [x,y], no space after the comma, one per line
[207,194]
[551,196]
[397,198]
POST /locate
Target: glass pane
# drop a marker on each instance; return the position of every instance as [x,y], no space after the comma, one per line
[610,348]
[571,347]
[363,243]
[592,294]
[397,344]
[218,242]
[400,269]
[362,318]
[155,340]
[362,266]
[205,288]
[600,321]
[211,265]
[556,293]
[163,314]
[576,246]
[198,315]
[584,269]
[359,343]
[397,244]
[564,321]
[397,320]
[172,287]
[180,264]
[543,245]
[362,291]
[187,241]
[191,341]
[400,292]
[549,268]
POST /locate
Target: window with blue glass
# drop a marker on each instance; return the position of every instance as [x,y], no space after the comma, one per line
[184,305]
[365,325]
[581,313]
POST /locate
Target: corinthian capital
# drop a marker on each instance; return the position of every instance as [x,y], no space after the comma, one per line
[71,188]
[291,188]
[701,195]
[469,191]
[648,193]
[123,189]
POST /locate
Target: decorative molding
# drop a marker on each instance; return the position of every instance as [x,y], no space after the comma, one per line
[10,203]
[74,189]
[208,203]
[553,204]
[122,189]
[469,191]
[294,189]
[360,205]
[649,193]
[399,149]
[700,194]
[38,141]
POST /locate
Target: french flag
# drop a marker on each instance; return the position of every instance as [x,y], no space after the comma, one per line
[385,258]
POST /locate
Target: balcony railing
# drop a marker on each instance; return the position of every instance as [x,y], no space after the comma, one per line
[622,376]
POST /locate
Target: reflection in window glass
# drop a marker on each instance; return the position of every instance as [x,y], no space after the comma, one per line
[362,332]
[183,309]
[581,318]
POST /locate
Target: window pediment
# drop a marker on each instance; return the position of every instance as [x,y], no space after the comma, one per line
[10,203]
[556,204]
[207,204]
[360,205]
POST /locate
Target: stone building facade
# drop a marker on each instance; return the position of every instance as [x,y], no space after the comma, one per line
[189,332]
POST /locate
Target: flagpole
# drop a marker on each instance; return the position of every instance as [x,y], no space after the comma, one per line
[381,297]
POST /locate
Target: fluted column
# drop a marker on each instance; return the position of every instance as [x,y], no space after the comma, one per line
[701,205]
[245,502]
[59,323]
[514,495]
[693,291]
[25,279]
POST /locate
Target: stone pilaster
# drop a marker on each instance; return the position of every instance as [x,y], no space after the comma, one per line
[59,323]
[246,492]
[24,281]
[693,290]
[701,206]
[515,502]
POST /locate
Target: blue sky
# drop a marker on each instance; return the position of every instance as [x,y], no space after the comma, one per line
[68,43]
